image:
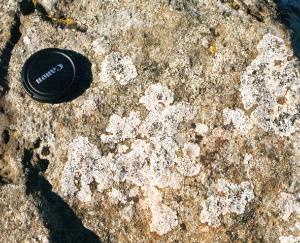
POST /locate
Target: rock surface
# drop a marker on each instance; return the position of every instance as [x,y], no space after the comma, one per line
[20,220]
[188,132]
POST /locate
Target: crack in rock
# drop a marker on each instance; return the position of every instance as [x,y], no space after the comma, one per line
[5,56]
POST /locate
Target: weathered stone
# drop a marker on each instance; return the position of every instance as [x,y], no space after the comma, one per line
[189,130]
[20,220]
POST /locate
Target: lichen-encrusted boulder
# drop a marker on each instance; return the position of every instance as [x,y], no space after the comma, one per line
[188,132]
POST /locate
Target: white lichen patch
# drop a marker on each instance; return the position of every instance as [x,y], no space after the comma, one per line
[289,239]
[118,22]
[26,40]
[238,118]
[86,106]
[288,205]
[156,155]
[228,198]
[201,129]
[186,165]
[121,128]
[31,39]
[160,130]
[118,68]
[117,196]
[157,97]
[134,191]
[101,45]
[85,165]
[249,163]
[164,219]
[122,148]
[247,159]
[271,84]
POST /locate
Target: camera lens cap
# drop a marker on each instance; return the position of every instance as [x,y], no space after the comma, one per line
[50,75]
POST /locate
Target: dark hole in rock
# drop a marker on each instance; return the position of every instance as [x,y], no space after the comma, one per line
[26,7]
[37,143]
[45,151]
[5,136]
[198,138]
[183,226]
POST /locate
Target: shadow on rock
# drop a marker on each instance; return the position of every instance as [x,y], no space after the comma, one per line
[25,7]
[85,75]
[58,217]
[289,15]
[5,56]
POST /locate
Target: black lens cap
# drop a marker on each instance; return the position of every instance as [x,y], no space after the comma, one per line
[51,75]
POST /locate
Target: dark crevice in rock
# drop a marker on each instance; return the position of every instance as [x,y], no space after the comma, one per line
[5,136]
[5,56]
[4,181]
[25,7]
[58,217]
[289,15]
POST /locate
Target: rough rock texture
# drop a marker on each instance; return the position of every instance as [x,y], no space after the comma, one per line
[20,220]
[189,131]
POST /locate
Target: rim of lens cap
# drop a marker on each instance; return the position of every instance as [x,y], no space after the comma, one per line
[49,75]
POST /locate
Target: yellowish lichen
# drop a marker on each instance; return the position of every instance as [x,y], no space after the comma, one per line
[67,21]
[213,48]
[234,5]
